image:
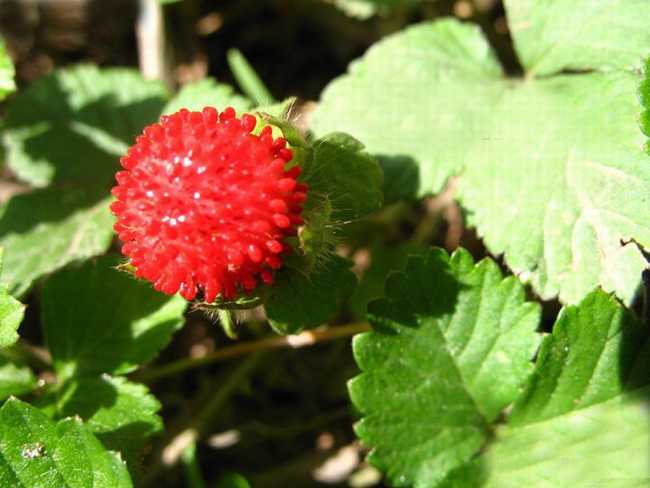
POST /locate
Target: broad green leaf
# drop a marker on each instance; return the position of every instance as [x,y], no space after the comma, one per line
[11,313]
[451,346]
[350,178]
[552,171]
[551,36]
[36,452]
[15,379]
[100,320]
[297,301]
[383,260]
[121,414]
[406,123]
[7,83]
[583,418]
[46,229]
[204,93]
[74,124]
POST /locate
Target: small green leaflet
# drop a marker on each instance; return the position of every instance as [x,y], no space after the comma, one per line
[7,83]
[195,96]
[35,451]
[297,301]
[583,417]
[84,339]
[122,415]
[11,313]
[451,346]
[552,170]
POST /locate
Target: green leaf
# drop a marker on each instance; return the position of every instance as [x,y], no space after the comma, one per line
[44,230]
[568,34]
[7,83]
[74,124]
[195,96]
[15,379]
[451,345]
[348,176]
[297,301]
[383,260]
[11,313]
[552,171]
[644,96]
[122,415]
[34,451]
[100,320]
[582,420]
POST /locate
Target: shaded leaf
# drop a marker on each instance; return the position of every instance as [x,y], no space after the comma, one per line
[451,345]
[44,230]
[34,451]
[297,301]
[15,379]
[74,124]
[100,320]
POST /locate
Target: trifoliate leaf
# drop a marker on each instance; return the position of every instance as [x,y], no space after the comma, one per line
[34,451]
[100,320]
[7,83]
[552,171]
[583,418]
[297,301]
[122,415]
[46,229]
[11,313]
[451,347]
[15,379]
[74,124]
[349,177]
[207,93]
[579,34]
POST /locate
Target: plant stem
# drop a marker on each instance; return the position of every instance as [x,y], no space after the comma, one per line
[247,78]
[192,470]
[306,338]
[197,425]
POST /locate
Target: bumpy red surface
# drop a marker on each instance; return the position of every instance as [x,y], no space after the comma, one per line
[203,206]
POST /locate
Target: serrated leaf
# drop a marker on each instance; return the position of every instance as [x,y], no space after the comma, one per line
[15,379]
[34,451]
[350,178]
[583,418]
[557,201]
[74,124]
[195,96]
[97,319]
[383,260]
[11,312]
[579,34]
[451,345]
[7,72]
[46,229]
[122,415]
[297,301]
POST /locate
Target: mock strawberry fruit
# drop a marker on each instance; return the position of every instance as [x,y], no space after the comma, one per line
[204,206]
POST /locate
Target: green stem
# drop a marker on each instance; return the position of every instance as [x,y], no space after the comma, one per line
[247,78]
[191,467]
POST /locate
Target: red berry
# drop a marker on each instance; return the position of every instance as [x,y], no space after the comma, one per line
[203,205]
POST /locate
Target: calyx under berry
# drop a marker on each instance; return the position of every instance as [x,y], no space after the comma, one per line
[205,207]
